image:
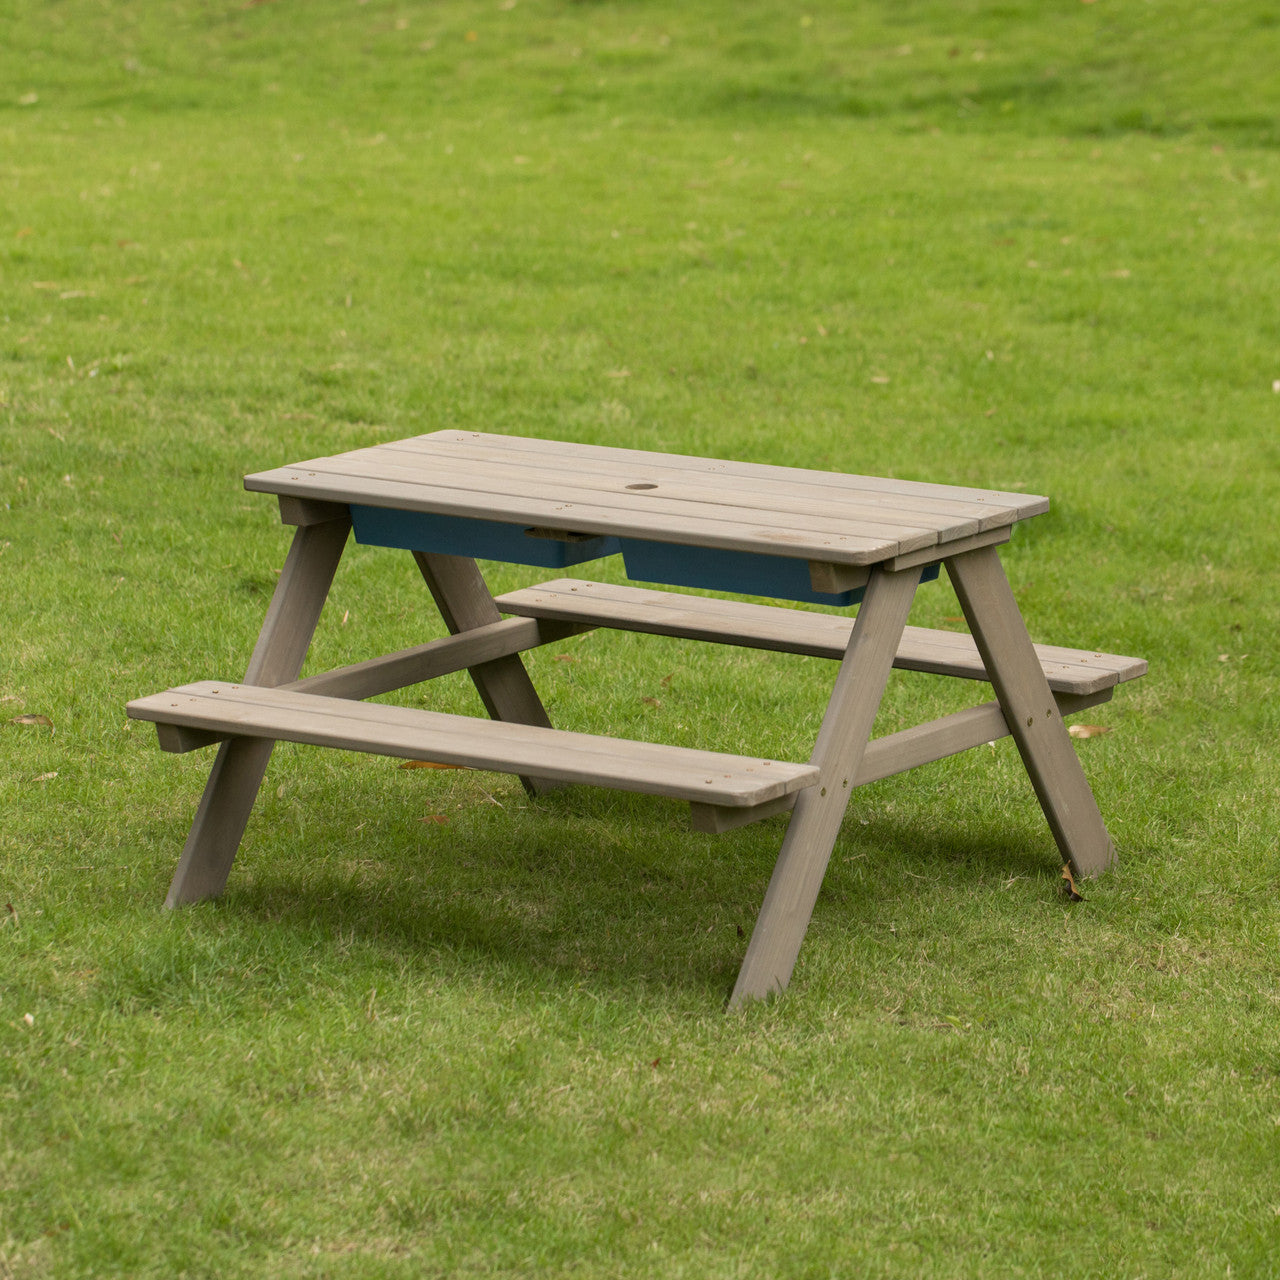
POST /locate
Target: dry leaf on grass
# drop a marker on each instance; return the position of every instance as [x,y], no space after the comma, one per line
[428,764]
[45,777]
[1069,890]
[438,818]
[651,702]
[33,719]
[1088,730]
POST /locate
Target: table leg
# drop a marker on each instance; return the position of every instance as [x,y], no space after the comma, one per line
[465,602]
[819,811]
[1030,710]
[277,658]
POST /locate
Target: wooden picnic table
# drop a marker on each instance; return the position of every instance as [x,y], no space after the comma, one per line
[708,524]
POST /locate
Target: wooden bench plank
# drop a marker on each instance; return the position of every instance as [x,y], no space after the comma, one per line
[757,626]
[503,747]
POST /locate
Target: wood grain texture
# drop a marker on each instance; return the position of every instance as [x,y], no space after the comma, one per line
[237,772]
[820,635]
[501,746]
[819,811]
[1032,716]
[583,489]
[466,604]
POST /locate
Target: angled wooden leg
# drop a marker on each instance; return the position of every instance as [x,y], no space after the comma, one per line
[503,684]
[1030,710]
[277,658]
[819,811]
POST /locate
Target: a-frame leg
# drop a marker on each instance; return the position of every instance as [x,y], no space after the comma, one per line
[1030,711]
[819,811]
[464,601]
[277,658]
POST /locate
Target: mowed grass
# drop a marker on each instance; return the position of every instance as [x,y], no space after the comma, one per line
[435,1028]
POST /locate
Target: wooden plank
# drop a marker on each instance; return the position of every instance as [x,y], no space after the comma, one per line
[465,604]
[1019,682]
[735,622]
[628,490]
[820,486]
[407,667]
[648,514]
[301,511]
[685,528]
[652,768]
[988,538]
[282,645]
[897,752]
[842,742]
[836,578]
[567,453]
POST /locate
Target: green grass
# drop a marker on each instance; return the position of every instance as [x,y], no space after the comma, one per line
[234,236]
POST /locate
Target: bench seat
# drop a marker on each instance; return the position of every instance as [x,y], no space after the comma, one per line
[822,635]
[196,714]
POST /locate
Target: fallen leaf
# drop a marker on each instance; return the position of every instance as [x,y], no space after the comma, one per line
[1088,730]
[28,99]
[651,702]
[879,378]
[741,932]
[657,1062]
[1069,885]
[665,682]
[438,818]
[23,232]
[566,657]
[618,373]
[45,777]
[428,764]
[33,719]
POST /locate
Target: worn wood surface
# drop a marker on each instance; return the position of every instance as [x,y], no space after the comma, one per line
[812,515]
[465,604]
[819,811]
[1018,679]
[282,645]
[501,746]
[820,635]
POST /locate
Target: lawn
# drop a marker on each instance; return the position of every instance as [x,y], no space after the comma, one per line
[436,1028]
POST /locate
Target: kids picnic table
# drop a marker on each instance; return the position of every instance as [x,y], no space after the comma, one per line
[778,532]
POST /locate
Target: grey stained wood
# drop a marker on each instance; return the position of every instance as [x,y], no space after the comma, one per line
[819,635]
[644,513]
[1018,679]
[465,603]
[805,505]
[897,752]
[501,746]
[743,475]
[236,775]
[819,811]
[662,497]
[408,666]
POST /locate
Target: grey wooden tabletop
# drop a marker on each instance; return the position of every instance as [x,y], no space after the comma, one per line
[661,497]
